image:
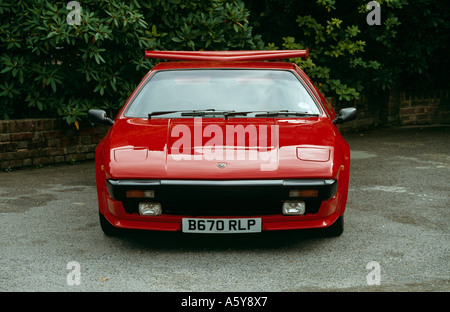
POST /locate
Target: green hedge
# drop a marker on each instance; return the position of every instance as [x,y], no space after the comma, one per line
[50,68]
[349,57]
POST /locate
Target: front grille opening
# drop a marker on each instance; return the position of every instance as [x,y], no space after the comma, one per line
[242,202]
[226,198]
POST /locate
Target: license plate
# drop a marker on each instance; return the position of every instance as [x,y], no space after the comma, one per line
[241,225]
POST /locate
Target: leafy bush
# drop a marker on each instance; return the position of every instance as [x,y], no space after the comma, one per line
[51,68]
[408,51]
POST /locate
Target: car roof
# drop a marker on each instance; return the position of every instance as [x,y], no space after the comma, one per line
[222,64]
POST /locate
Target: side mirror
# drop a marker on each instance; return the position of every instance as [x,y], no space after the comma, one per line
[346,114]
[99,116]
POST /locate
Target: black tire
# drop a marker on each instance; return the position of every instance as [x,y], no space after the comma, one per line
[108,228]
[336,229]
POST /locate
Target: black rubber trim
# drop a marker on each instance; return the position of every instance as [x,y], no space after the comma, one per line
[327,187]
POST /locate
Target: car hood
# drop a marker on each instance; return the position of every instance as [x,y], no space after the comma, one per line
[215,148]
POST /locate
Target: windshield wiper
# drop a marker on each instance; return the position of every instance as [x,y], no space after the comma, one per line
[204,112]
[226,114]
[158,113]
[286,113]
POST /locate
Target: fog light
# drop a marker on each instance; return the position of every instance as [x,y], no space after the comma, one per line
[294,208]
[150,209]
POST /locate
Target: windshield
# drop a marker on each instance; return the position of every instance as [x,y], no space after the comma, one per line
[222,89]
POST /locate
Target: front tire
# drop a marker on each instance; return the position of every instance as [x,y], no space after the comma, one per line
[107,228]
[336,229]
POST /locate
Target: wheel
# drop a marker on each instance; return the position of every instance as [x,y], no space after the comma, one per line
[336,229]
[108,228]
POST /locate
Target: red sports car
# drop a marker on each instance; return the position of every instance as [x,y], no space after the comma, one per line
[223,142]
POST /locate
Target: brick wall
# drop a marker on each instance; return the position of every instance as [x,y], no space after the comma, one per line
[37,142]
[368,114]
[398,109]
[417,108]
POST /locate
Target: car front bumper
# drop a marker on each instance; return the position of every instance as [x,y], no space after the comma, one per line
[222,199]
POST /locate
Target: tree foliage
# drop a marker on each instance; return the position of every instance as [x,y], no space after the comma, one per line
[51,68]
[408,51]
